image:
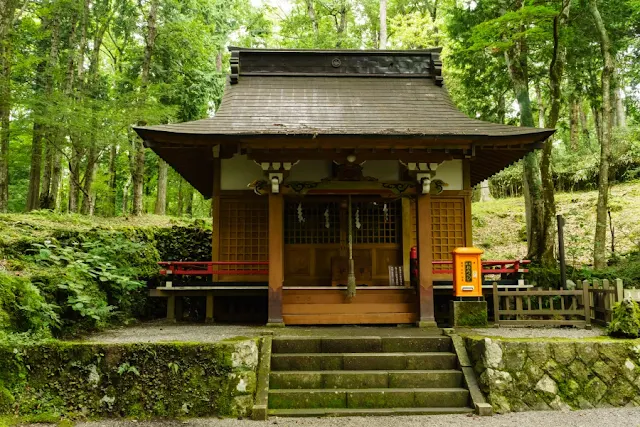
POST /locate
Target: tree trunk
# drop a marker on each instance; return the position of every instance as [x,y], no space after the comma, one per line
[125,197]
[74,179]
[383,24]
[138,164]
[599,247]
[189,197]
[574,122]
[621,115]
[556,69]
[532,182]
[180,196]
[111,199]
[311,12]
[56,180]
[161,199]
[7,13]
[35,170]
[584,123]
[89,176]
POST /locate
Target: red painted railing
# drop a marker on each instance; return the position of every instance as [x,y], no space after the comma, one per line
[212,268]
[491,266]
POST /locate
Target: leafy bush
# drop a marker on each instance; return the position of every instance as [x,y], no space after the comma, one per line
[23,308]
[625,321]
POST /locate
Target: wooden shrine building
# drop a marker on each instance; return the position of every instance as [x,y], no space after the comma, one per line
[317,157]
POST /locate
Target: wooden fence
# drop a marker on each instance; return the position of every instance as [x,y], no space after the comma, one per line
[585,303]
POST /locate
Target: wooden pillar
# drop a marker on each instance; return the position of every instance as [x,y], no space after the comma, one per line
[209,309]
[215,214]
[425,267]
[276,258]
[406,240]
[171,308]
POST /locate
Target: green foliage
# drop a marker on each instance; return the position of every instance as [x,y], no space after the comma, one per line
[625,321]
[23,308]
[63,276]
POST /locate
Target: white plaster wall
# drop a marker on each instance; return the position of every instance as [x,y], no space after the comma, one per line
[383,170]
[310,170]
[451,173]
[238,172]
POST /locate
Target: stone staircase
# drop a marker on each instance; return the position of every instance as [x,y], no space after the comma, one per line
[350,376]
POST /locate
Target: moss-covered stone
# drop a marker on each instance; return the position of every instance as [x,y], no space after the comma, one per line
[130,380]
[556,374]
[469,313]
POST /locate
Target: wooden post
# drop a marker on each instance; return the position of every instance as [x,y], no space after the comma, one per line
[215,214]
[171,308]
[607,296]
[425,266]
[496,305]
[179,307]
[587,304]
[406,240]
[619,290]
[209,309]
[276,258]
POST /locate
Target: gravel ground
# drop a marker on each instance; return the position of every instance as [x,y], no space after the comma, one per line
[164,332]
[536,332]
[621,417]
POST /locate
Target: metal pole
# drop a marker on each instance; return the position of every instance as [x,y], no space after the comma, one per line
[563,264]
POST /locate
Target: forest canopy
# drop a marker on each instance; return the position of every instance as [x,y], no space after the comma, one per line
[77,75]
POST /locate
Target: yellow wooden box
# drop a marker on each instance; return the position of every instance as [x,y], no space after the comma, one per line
[467,272]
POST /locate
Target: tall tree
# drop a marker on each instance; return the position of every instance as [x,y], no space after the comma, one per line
[556,70]
[599,257]
[161,198]
[7,17]
[139,151]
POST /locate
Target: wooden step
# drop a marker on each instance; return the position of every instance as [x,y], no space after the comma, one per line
[365,379]
[354,412]
[362,361]
[360,344]
[369,398]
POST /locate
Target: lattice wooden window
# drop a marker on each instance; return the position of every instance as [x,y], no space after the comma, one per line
[448,228]
[376,225]
[244,230]
[313,229]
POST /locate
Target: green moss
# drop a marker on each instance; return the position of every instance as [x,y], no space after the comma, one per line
[131,380]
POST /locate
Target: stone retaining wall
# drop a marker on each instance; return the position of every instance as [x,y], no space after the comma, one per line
[523,375]
[135,380]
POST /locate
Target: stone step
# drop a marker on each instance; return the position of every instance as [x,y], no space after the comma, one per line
[361,344]
[363,361]
[369,398]
[365,379]
[354,412]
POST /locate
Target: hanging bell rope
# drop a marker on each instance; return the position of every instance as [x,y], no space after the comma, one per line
[351,278]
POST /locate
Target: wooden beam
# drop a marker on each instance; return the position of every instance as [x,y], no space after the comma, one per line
[406,239]
[215,214]
[340,155]
[425,256]
[276,258]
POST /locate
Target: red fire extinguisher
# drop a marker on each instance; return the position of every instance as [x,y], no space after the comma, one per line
[413,257]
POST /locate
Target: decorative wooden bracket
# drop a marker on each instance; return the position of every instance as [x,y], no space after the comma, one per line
[276,173]
[424,173]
